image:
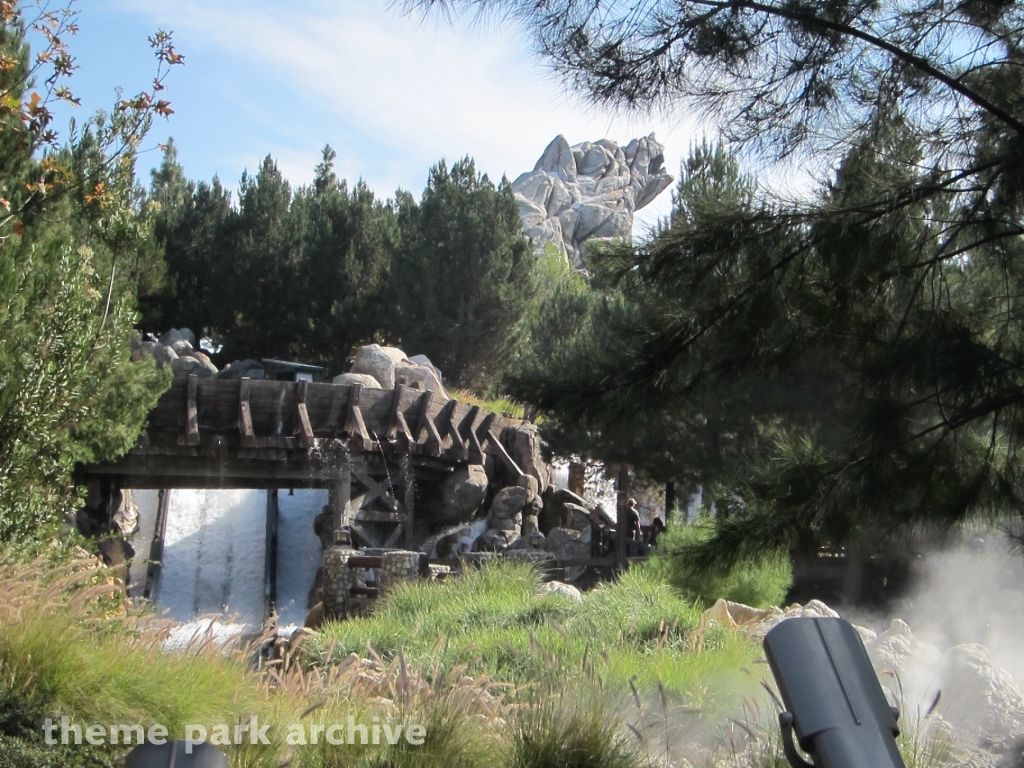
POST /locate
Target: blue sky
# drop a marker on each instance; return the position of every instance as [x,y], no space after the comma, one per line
[392,94]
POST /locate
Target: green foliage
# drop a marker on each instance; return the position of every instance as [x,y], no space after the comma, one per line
[67,283]
[492,621]
[464,277]
[760,582]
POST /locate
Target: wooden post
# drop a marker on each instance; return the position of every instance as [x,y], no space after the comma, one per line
[409,486]
[270,561]
[622,505]
[341,490]
[670,499]
[248,437]
[192,411]
[156,547]
[302,427]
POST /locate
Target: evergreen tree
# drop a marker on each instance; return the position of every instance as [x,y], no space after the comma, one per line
[68,256]
[464,276]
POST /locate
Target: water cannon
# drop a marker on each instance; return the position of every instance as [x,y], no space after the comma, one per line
[834,702]
[176,754]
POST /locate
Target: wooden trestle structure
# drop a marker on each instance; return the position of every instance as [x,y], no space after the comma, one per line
[370,447]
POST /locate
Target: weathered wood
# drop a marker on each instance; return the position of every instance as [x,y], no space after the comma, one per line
[156,547]
[396,401]
[485,426]
[374,516]
[355,427]
[365,561]
[192,411]
[503,455]
[445,423]
[270,557]
[409,485]
[341,490]
[364,591]
[433,442]
[376,489]
[621,507]
[475,453]
[393,537]
[302,426]
[248,437]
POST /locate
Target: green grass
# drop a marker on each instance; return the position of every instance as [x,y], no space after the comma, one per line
[491,621]
[760,583]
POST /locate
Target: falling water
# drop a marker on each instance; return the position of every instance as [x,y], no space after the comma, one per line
[298,552]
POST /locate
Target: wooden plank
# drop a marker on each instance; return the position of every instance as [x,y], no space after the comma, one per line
[156,547]
[270,556]
[432,445]
[191,411]
[248,437]
[445,424]
[405,439]
[355,427]
[475,452]
[409,486]
[396,401]
[503,455]
[366,561]
[302,427]
[393,537]
[375,516]
[334,422]
[485,426]
[339,498]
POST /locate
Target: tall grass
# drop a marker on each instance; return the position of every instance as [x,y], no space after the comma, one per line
[492,621]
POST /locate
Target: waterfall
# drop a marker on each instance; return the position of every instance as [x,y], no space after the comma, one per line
[298,552]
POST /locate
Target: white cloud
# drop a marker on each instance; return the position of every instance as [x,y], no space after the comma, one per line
[401,92]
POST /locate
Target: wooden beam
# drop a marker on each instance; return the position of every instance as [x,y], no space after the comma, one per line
[503,454]
[191,411]
[355,427]
[270,558]
[485,426]
[156,547]
[445,423]
[340,492]
[475,452]
[409,486]
[248,437]
[432,445]
[396,410]
[302,427]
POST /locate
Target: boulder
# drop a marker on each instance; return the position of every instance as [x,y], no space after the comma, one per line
[560,588]
[514,523]
[494,540]
[424,360]
[182,347]
[508,502]
[420,377]
[588,191]
[463,492]
[451,543]
[530,525]
[185,366]
[164,355]
[187,335]
[530,483]
[523,444]
[577,517]
[315,618]
[557,538]
[375,361]
[169,337]
[363,379]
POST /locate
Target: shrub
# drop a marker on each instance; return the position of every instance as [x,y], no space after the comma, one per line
[760,582]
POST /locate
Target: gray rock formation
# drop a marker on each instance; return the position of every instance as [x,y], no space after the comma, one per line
[589,191]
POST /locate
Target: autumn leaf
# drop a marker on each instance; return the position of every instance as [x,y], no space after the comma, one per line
[163,108]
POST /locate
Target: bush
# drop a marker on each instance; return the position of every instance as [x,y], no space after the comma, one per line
[759,582]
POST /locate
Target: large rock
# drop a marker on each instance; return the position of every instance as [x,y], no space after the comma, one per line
[557,538]
[365,380]
[495,540]
[577,517]
[164,355]
[463,492]
[184,366]
[589,191]
[169,337]
[375,361]
[560,588]
[182,347]
[508,502]
[420,377]
[523,444]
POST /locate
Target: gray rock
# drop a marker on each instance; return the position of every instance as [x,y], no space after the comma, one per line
[508,502]
[494,540]
[190,365]
[420,377]
[531,524]
[514,523]
[577,517]
[187,335]
[589,191]
[424,360]
[363,379]
[169,337]
[463,492]
[182,347]
[375,361]
[164,355]
[448,544]
[557,538]
[523,444]
[558,588]
[530,483]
